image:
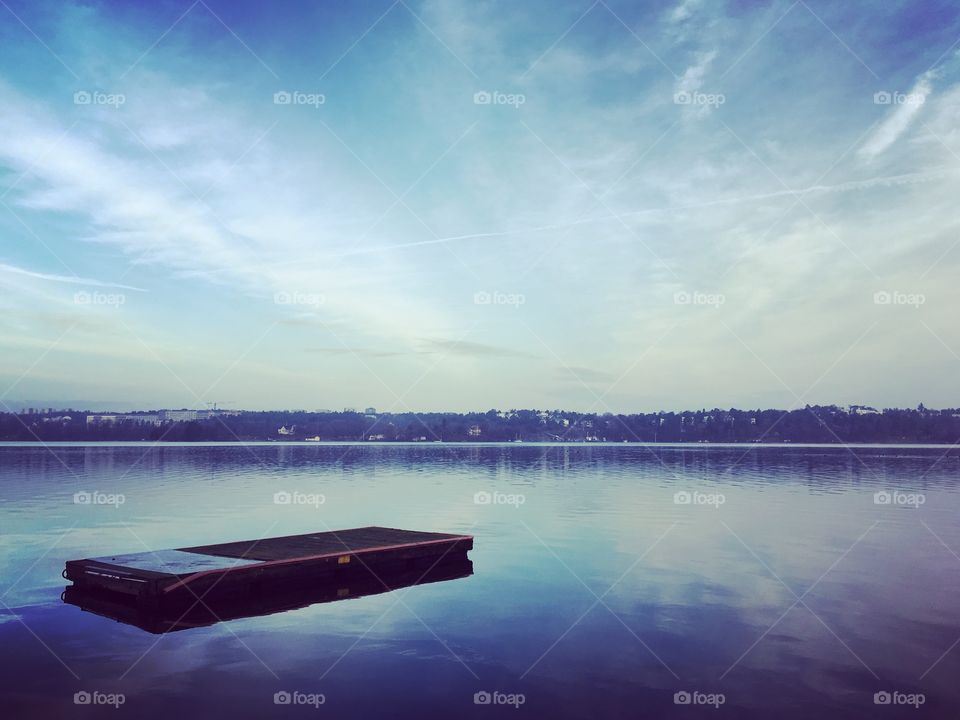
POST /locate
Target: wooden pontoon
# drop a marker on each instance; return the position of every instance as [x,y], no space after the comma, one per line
[193,575]
[358,582]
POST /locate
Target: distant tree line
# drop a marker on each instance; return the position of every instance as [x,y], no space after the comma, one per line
[816,424]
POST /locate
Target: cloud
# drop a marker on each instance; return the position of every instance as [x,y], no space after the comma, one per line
[364,352]
[687,88]
[134,179]
[580,374]
[683,11]
[471,349]
[692,78]
[900,118]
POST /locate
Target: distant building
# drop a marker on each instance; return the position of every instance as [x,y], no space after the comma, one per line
[284,430]
[370,411]
[113,419]
[181,415]
[378,436]
[474,431]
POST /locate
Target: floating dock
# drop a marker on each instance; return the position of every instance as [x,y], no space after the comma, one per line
[197,575]
[360,582]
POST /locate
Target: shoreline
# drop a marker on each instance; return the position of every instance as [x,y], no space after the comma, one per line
[462,443]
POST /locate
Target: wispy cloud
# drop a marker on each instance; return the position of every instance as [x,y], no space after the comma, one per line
[348,351]
[586,375]
[692,78]
[472,349]
[683,11]
[901,116]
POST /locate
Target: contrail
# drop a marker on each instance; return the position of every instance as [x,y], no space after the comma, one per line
[72,279]
[885,181]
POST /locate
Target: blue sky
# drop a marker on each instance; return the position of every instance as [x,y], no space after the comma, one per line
[614,206]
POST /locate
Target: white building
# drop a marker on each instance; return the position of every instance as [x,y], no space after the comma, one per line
[181,415]
[113,419]
[102,419]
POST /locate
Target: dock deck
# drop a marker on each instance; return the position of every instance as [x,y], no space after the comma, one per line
[248,567]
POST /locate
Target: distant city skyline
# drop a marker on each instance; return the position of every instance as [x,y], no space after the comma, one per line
[435,205]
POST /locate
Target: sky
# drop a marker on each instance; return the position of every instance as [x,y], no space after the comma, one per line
[470,204]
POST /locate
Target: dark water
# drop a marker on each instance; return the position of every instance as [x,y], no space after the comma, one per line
[597,597]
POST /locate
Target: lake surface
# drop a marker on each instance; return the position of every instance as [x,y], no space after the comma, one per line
[761,581]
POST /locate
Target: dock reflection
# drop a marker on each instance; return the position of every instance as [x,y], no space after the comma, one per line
[355,583]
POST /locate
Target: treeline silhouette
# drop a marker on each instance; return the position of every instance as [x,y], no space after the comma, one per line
[811,424]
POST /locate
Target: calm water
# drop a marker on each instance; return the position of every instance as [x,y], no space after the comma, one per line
[782,585]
